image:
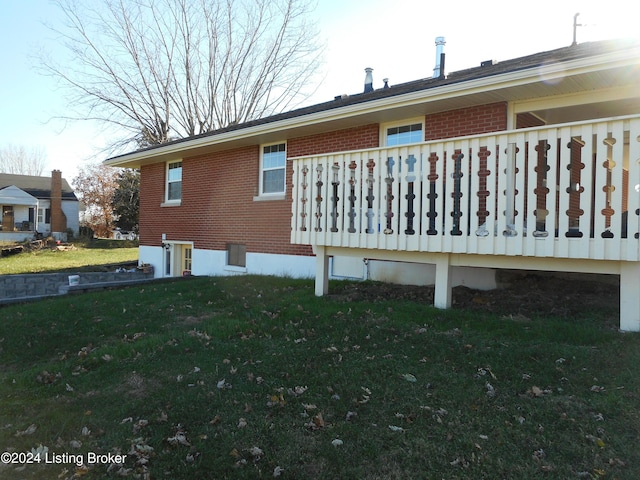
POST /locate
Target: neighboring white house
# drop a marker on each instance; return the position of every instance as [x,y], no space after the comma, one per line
[37,205]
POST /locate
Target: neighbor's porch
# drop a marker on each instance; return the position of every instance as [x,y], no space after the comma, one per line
[18,221]
[560,198]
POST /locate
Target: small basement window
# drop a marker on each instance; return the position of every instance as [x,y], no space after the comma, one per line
[236,255]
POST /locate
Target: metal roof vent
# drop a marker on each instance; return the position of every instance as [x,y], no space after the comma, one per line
[368,80]
[438,71]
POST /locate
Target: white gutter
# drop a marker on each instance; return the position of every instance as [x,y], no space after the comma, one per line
[490,83]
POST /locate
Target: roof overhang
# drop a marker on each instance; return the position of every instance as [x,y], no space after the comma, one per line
[13,195]
[614,70]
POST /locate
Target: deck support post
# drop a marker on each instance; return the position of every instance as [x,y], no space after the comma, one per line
[442,293]
[322,271]
[630,296]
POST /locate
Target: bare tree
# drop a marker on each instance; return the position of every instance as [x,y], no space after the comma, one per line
[20,160]
[96,184]
[167,69]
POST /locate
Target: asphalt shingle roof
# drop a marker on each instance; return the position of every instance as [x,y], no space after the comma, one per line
[39,187]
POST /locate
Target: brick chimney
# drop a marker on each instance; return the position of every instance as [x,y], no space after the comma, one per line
[58,218]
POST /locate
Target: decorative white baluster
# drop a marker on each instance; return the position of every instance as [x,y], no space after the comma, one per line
[510,194]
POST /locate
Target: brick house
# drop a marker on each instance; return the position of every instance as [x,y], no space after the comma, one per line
[530,163]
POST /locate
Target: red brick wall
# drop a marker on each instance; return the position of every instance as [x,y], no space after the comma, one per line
[466,121]
[367,136]
[218,190]
[217,206]
[152,217]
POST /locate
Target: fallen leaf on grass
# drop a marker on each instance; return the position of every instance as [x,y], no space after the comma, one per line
[394,428]
[276,400]
[409,378]
[337,442]
[598,441]
[179,438]
[482,371]
[538,455]
[81,471]
[459,462]
[40,450]
[366,396]
[139,425]
[491,392]
[256,453]
[297,391]
[47,378]
[278,471]
[30,430]
[539,392]
[222,385]
[84,351]
[316,422]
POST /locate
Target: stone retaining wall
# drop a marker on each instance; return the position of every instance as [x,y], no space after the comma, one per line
[39,285]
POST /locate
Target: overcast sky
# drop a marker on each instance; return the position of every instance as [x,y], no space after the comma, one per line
[395,38]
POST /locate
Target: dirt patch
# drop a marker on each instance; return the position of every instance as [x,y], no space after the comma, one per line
[135,385]
[523,296]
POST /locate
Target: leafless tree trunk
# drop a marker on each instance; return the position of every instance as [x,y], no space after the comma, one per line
[167,69]
[20,160]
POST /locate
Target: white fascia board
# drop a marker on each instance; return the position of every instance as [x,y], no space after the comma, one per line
[490,83]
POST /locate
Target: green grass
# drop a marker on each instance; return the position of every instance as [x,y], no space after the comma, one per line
[190,378]
[86,256]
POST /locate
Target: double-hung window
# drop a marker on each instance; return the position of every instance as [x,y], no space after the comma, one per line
[401,134]
[174,181]
[273,160]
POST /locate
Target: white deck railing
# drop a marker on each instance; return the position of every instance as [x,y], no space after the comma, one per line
[567,191]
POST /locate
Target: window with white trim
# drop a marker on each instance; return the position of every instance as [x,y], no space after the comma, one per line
[174,181]
[273,161]
[404,133]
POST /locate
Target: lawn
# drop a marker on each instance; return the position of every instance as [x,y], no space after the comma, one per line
[255,377]
[86,255]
